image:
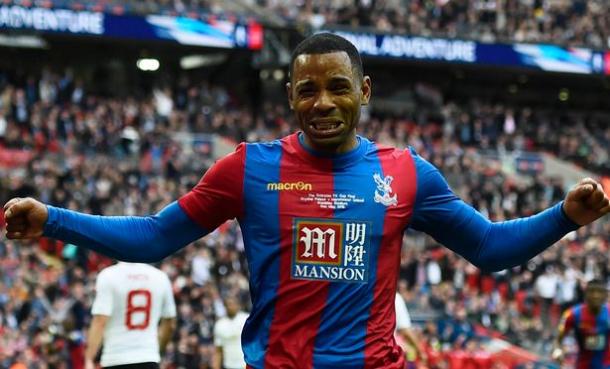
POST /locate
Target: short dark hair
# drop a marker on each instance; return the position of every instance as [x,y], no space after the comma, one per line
[325,43]
[596,283]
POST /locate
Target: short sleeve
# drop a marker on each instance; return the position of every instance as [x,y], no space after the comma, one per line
[103,303]
[218,334]
[566,323]
[218,196]
[169,305]
[403,320]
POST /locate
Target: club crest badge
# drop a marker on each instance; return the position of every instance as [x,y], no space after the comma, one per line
[383,193]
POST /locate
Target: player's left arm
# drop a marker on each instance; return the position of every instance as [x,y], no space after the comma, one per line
[497,246]
[167,326]
[410,338]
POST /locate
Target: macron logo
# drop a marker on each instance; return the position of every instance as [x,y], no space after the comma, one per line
[289,186]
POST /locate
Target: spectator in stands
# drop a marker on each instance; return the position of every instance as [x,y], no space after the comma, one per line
[227,337]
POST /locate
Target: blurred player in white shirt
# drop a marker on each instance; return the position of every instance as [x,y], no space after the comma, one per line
[227,337]
[134,314]
[403,330]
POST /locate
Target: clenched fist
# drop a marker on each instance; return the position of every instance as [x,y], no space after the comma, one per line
[586,202]
[25,218]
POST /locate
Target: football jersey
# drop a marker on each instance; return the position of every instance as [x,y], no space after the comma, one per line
[323,238]
[134,297]
[323,235]
[591,333]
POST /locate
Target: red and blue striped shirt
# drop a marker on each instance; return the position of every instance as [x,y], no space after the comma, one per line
[323,236]
[592,332]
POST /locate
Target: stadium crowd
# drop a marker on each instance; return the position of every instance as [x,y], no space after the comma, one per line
[121,156]
[573,23]
[553,21]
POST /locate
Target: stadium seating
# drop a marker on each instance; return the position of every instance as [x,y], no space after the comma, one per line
[551,21]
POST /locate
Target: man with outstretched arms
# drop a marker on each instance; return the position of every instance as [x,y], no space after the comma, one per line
[322,212]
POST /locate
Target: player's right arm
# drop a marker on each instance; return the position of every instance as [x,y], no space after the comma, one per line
[167,325]
[217,364]
[404,326]
[565,325]
[217,198]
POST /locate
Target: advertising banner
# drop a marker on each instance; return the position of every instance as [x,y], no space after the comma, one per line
[549,58]
[182,30]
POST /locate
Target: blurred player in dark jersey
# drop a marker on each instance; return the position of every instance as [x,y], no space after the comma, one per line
[590,322]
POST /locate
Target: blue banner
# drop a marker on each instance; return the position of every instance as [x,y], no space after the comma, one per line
[182,30]
[550,58]
[529,164]
[52,20]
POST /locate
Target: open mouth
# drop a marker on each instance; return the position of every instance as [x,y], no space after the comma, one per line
[326,128]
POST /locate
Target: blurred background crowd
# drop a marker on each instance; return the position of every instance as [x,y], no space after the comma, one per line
[133,151]
[574,23]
